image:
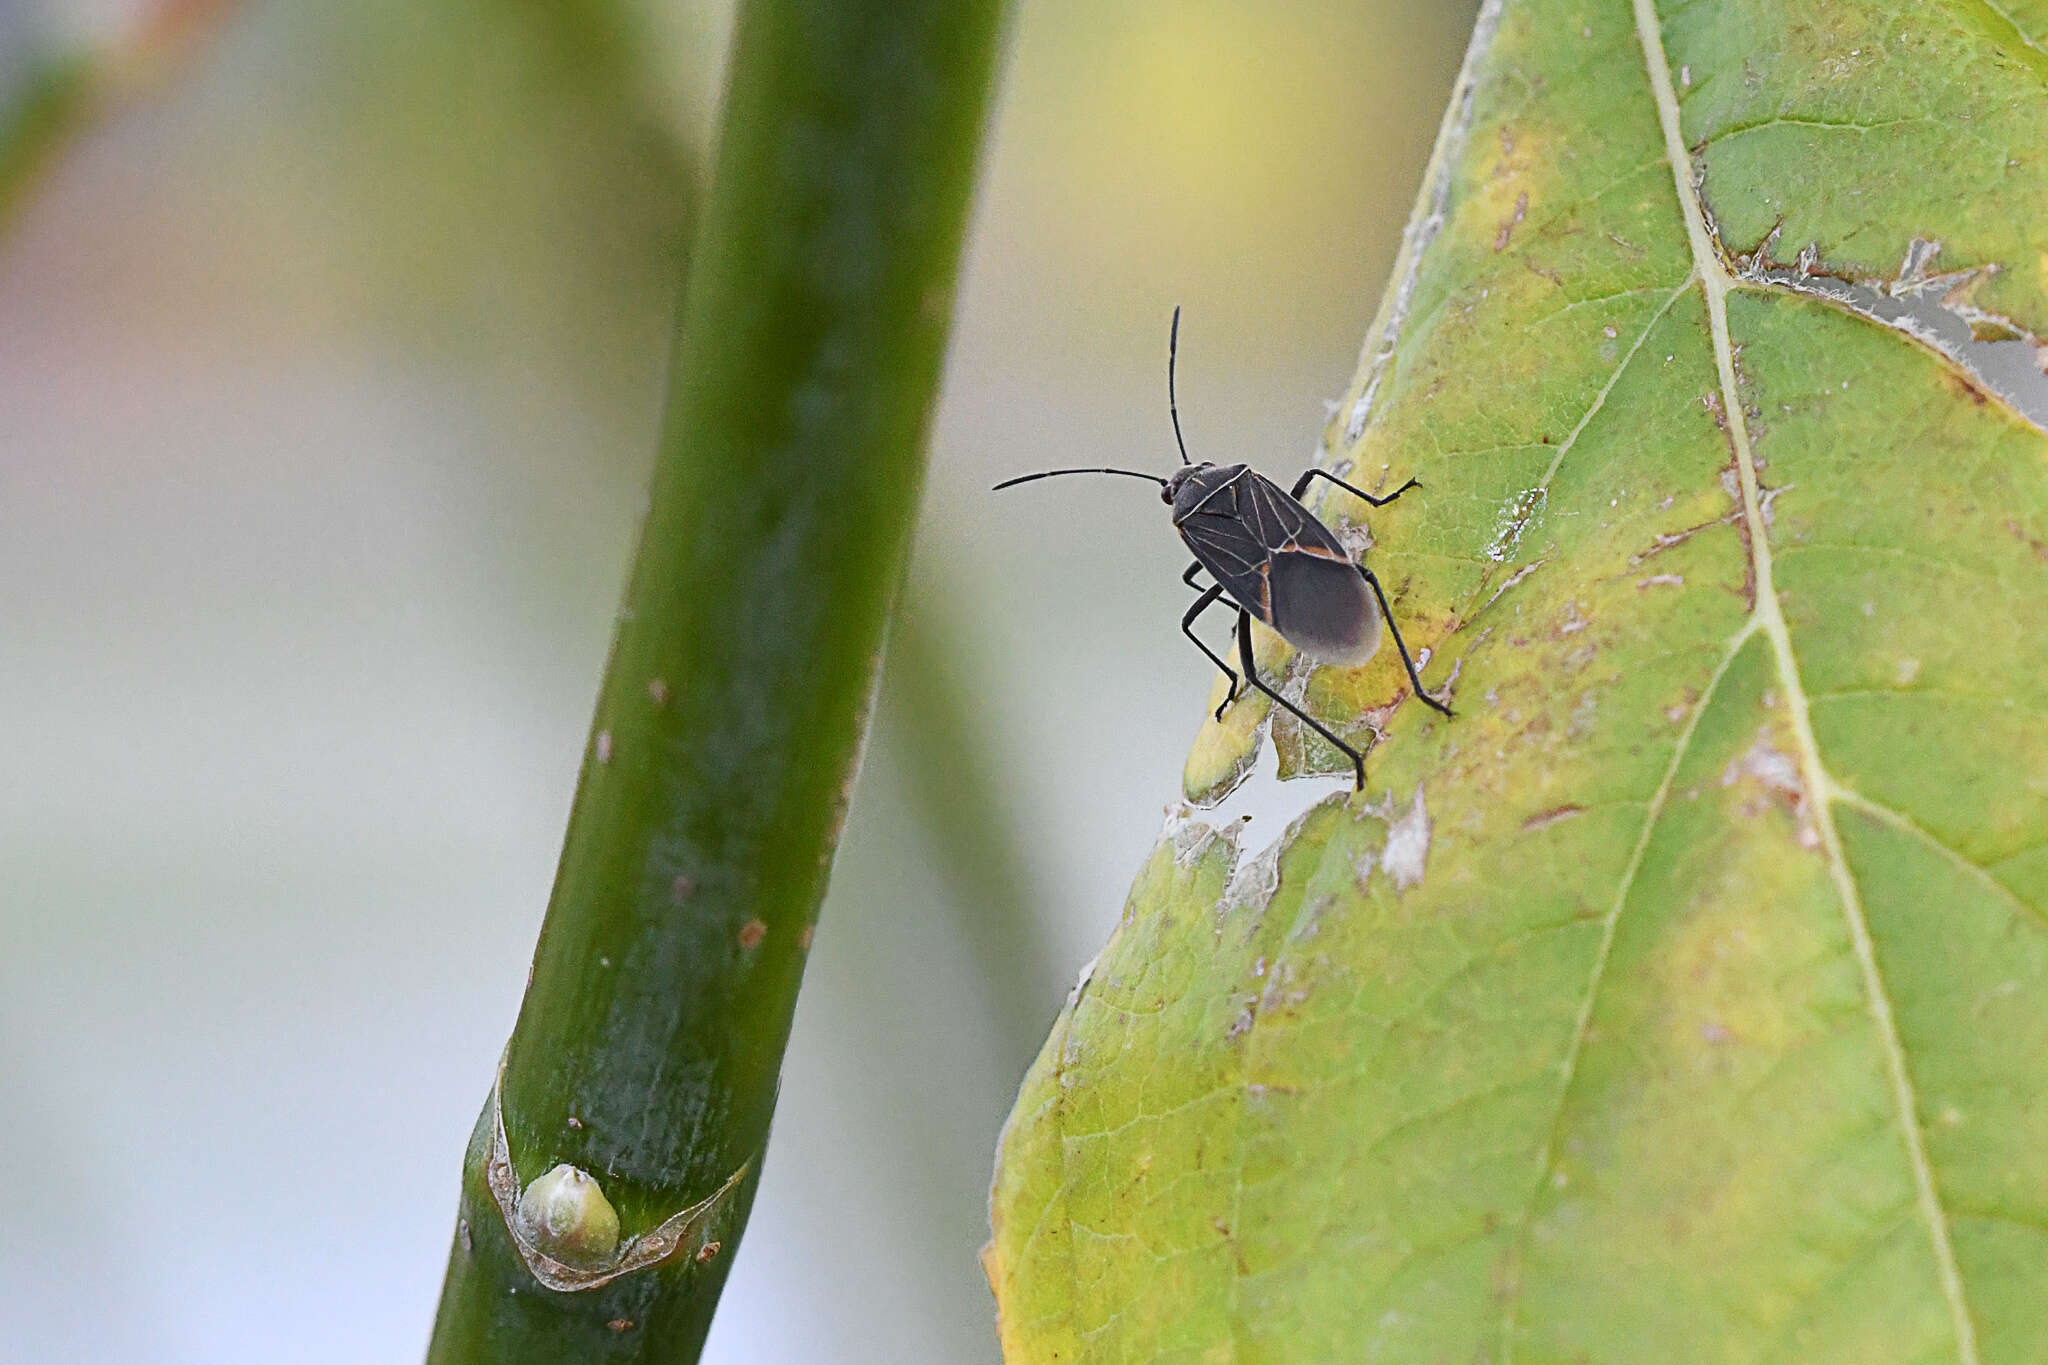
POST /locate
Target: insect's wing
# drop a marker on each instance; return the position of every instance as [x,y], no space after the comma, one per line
[1235,557]
[1284,525]
[1243,527]
[1322,607]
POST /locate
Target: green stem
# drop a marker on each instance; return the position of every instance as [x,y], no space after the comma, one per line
[808,351]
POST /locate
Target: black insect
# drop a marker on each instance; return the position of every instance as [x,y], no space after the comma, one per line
[1275,561]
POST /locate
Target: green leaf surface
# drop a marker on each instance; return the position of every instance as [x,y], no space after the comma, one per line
[1686,997]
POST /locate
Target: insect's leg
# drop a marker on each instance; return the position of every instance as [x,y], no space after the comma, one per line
[1301,486]
[1187,628]
[1244,657]
[1407,661]
[1188,576]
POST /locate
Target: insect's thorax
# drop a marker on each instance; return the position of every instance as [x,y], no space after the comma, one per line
[1205,488]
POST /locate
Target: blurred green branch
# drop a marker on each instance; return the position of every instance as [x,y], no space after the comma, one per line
[808,351]
[37,120]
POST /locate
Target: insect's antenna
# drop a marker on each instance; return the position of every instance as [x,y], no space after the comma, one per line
[1050,473]
[1172,403]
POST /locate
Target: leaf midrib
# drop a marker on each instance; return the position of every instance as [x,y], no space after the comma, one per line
[1768,618]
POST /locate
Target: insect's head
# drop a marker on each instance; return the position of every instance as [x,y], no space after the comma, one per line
[1171,489]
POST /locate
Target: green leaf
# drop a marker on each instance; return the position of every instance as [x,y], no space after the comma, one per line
[1686,997]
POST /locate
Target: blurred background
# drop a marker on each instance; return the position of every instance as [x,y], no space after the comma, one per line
[330,344]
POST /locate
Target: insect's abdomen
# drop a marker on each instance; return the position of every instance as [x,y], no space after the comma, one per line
[1323,608]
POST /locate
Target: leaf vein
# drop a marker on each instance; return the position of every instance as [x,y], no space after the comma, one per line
[1829,125]
[1597,978]
[1905,824]
[1769,618]
[1571,439]
[1992,15]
